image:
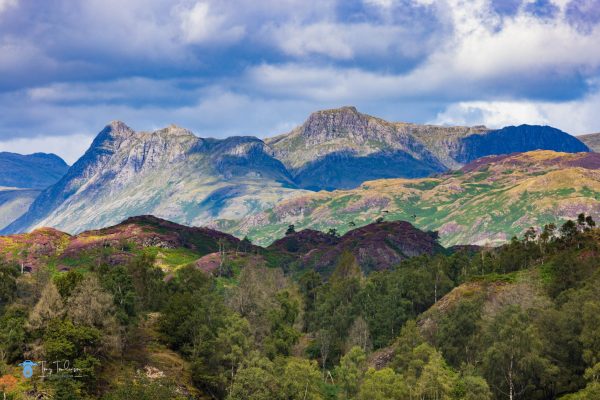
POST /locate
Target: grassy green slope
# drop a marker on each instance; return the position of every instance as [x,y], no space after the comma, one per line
[484,203]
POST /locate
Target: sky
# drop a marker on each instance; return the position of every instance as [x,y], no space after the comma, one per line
[260,67]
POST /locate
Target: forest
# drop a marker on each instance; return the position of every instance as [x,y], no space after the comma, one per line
[519,321]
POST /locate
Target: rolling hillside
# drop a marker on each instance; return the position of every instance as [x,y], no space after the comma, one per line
[486,202]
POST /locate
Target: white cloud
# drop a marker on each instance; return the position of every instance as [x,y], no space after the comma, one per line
[321,38]
[120,90]
[380,3]
[485,58]
[6,4]
[70,148]
[199,24]
[575,117]
[346,41]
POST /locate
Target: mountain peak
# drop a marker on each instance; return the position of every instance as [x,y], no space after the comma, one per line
[339,110]
[346,111]
[117,126]
[332,123]
[174,131]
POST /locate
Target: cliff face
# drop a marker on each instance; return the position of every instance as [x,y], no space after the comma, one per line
[169,173]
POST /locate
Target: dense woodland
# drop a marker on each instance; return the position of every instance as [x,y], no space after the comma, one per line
[292,333]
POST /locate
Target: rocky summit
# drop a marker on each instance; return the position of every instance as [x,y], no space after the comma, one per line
[342,148]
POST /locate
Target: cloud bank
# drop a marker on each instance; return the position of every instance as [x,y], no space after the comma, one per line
[246,67]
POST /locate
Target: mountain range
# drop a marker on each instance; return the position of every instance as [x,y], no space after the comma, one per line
[173,174]
[170,173]
[341,148]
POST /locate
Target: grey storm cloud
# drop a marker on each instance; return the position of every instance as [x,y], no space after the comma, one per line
[247,67]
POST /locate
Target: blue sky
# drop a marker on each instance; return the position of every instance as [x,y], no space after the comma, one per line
[259,67]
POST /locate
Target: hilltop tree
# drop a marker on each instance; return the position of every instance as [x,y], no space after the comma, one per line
[246,244]
[290,230]
[333,232]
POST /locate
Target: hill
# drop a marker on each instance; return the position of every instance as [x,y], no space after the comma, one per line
[173,245]
[486,202]
[376,246]
[139,315]
[33,171]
